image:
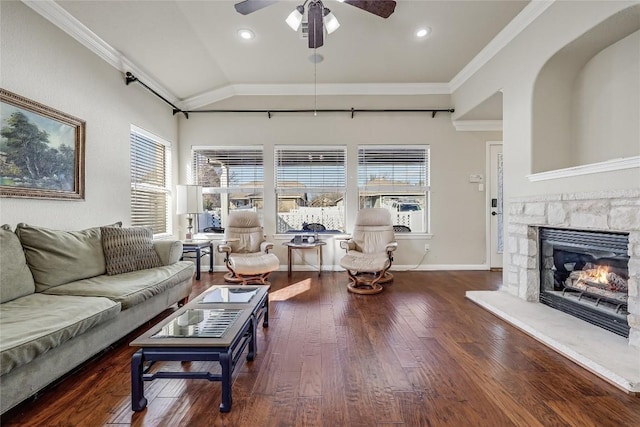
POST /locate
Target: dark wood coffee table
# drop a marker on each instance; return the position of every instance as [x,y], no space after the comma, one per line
[216,326]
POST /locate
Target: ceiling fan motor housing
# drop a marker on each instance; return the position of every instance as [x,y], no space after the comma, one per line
[316,30]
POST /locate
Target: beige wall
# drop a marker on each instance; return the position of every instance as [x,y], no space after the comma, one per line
[606,104]
[42,63]
[458,208]
[601,77]
[515,70]
[586,104]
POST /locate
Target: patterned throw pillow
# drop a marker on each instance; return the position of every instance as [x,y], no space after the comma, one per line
[128,249]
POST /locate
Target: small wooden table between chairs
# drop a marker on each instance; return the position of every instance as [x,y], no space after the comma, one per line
[317,245]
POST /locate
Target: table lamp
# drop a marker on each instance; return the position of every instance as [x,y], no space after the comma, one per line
[189,201]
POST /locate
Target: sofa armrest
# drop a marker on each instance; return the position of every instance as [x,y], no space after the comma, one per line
[170,251]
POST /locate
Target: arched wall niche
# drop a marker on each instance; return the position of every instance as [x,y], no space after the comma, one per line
[586,102]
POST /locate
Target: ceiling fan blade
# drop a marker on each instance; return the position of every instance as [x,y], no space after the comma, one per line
[316,32]
[249,6]
[382,8]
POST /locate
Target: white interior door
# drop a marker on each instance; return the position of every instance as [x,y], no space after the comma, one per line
[496,224]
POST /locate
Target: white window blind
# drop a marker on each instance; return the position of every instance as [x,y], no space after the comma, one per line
[393,168]
[229,170]
[150,186]
[310,170]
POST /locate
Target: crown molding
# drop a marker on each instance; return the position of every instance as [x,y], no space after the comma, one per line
[534,9]
[229,91]
[478,125]
[62,19]
[58,16]
[606,166]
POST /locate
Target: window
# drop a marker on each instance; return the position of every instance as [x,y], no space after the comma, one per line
[396,178]
[310,187]
[232,178]
[150,181]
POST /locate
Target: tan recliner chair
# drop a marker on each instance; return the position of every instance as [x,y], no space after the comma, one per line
[369,251]
[246,252]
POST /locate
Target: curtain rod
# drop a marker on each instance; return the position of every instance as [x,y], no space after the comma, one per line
[130,78]
[337,110]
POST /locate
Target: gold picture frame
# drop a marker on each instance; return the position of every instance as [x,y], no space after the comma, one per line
[41,150]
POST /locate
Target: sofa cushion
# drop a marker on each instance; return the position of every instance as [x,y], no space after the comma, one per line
[15,277]
[37,323]
[131,288]
[56,257]
[128,249]
[169,251]
[364,263]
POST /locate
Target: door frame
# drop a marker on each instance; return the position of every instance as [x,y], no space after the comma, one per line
[487,210]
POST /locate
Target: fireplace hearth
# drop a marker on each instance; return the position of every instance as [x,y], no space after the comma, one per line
[598,350]
[585,274]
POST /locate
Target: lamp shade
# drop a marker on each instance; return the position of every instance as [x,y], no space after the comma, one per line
[295,18]
[330,21]
[189,199]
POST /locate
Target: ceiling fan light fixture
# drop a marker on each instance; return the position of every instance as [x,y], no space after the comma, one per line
[295,18]
[330,21]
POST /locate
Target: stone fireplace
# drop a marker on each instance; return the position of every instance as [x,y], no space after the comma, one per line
[615,212]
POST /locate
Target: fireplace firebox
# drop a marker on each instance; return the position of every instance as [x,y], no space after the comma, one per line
[585,274]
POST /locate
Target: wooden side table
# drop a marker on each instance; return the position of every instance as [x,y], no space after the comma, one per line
[200,248]
[317,245]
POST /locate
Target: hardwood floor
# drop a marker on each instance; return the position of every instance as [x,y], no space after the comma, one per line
[418,354]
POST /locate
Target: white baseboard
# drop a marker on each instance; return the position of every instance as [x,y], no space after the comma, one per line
[438,267]
[337,268]
[426,267]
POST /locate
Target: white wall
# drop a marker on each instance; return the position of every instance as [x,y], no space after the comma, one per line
[458,208]
[42,63]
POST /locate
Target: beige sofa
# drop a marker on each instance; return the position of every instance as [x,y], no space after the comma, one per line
[67,295]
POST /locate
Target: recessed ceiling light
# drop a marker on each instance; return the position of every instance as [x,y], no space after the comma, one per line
[246,34]
[423,32]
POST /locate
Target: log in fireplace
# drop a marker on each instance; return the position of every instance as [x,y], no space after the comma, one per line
[585,274]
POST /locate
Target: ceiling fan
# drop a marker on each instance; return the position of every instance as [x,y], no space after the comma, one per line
[319,17]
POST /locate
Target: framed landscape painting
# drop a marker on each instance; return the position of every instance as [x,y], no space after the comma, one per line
[41,150]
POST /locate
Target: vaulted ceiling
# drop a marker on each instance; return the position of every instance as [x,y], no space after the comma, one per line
[192,50]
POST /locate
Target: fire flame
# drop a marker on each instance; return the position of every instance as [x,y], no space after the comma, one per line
[598,275]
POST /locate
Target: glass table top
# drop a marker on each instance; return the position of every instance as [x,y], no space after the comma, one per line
[242,295]
[200,323]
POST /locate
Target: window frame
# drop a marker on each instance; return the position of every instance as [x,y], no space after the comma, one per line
[229,189]
[319,187]
[423,188]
